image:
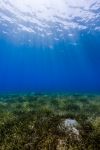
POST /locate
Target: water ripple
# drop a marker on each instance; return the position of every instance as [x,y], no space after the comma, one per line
[50,19]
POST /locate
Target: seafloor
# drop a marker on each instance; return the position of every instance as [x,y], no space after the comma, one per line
[49,122]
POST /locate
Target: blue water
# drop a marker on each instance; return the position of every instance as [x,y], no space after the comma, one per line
[66,66]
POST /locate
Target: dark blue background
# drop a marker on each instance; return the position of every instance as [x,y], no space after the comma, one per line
[65,67]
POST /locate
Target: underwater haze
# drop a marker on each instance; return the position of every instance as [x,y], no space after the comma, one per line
[50,45]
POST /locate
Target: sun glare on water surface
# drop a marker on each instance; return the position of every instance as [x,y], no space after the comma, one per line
[54,19]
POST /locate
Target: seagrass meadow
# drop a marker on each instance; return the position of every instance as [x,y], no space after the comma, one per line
[49,122]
